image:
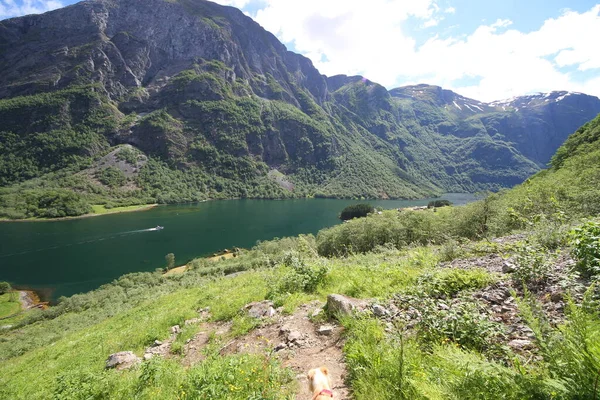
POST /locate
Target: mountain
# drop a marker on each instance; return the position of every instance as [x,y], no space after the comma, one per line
[121,102]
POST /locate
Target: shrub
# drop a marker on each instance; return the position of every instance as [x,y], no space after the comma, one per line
[450,281]
[572,352]
[170,260]
[533,265]
[297,277]
[112,177]
[439,203]
[465,323]
[356,211]
[586,248]
[55,203]
[4,287]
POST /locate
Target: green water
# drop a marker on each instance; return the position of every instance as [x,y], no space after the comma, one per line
[61,258]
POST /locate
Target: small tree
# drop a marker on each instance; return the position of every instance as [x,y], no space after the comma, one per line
[170,259]
[439,203]
[356,211]
[4,287]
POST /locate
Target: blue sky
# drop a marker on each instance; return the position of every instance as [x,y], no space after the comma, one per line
[487,50]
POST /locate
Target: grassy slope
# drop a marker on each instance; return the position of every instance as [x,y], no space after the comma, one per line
[85,346]
[8,306]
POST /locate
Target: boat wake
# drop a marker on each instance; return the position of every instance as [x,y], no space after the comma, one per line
[93,240]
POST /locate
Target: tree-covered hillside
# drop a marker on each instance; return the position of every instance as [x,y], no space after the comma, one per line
[214,106]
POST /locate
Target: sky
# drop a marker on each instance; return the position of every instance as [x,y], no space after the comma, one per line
[487,50]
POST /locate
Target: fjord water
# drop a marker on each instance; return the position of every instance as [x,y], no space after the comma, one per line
[61,258]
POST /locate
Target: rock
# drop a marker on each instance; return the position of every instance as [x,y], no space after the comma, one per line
[176,330]
[494,296]
[294,336]
[122,360]
[192,321]
[379,311]
[556,297]
[508,267]
[317,312]
[157,343]
[443,306]
[344,305]
[280,346]
[389,327]
[520,344]
[148,356]
[260,309]
[325,330]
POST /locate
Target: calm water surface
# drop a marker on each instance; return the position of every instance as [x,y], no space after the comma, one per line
[61,258]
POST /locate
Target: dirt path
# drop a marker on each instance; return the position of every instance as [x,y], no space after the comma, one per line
[295,340]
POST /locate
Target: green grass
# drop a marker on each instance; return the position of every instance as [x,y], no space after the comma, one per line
[9,304]
[87,348]
[100,209]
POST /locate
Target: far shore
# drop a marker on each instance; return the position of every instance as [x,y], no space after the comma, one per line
[100,212]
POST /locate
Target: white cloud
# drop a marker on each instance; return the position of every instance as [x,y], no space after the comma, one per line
[14,8]
[234,3]
[345,36]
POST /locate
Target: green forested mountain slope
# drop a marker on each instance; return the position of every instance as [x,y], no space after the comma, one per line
[210,105]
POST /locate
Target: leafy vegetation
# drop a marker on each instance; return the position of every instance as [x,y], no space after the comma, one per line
[439,203]
[356,211]
[5,287]
[9,304]
[585,240]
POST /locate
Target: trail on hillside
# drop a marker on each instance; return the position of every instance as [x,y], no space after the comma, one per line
[294,339]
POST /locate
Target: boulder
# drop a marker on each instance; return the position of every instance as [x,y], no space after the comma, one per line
[508,267]
[176,330]
[122,360]
[520,344]
[379,311]
[325,330]
[294,336]
[260,309]
[344,305]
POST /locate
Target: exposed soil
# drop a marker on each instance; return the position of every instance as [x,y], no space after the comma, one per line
[294,339]
[193,351]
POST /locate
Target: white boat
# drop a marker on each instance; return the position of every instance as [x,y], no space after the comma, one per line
[158,227]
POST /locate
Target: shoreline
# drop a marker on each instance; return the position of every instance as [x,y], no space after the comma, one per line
[144,207]
[29,299]
[147,207]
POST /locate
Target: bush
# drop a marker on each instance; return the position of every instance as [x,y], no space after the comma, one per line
[5,287]
[55,204]
[465,323]
[572,352]
[586,248]
[298,277]
[450,281]
[356,211]
[112,177]
[439,203]
[533,265]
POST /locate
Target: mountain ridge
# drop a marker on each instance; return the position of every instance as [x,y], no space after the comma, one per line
[218,104]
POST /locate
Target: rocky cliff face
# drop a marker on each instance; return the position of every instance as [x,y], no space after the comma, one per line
[202,88]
